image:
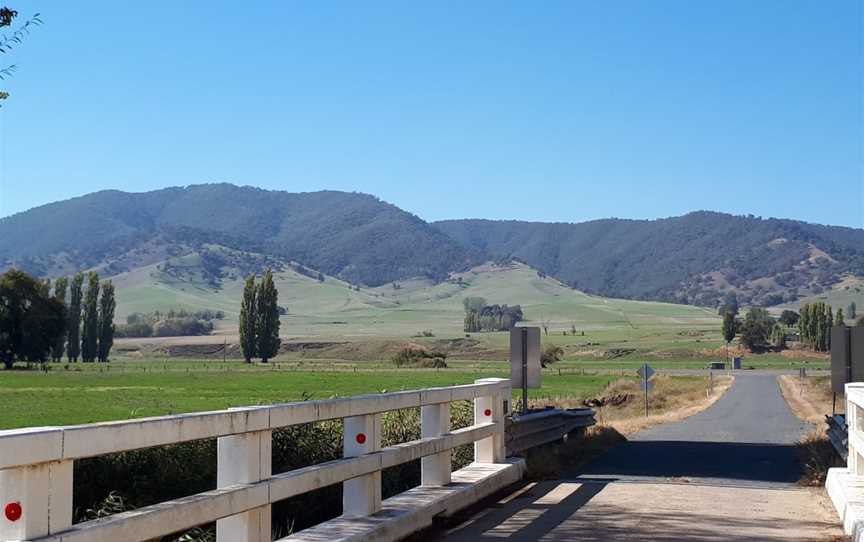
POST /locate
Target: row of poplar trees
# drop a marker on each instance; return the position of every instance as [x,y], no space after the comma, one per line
[259,319]
[89,319]
[815,325]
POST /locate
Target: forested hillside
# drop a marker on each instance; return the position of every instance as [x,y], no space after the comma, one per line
[699,258]
[207,233]
[353,236]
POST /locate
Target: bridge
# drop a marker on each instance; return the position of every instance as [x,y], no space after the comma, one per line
[727,473]
[36,480]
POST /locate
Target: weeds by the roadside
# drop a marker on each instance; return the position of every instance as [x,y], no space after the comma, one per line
[817,455]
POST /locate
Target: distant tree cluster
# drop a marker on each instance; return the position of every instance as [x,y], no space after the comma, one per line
[482,317]
[758,330]
[37,325]
[174,323]
[815,326]
[259,319]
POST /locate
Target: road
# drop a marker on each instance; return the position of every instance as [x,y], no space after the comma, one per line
[728,473]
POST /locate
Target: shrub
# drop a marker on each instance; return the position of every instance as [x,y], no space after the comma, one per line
[418,357]
[551,354]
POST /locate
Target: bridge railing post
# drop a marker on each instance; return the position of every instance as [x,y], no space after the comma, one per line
[242,459]
[361,496]
[434,422]
[36,500]
[492,408]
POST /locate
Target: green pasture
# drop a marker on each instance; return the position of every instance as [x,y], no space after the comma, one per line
[61,397]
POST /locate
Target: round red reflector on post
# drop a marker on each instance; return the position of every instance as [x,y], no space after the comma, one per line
[13,511]
[487,412]
[361,438]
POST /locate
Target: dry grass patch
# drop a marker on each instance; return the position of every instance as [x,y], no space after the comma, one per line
[672,399]
[810,399]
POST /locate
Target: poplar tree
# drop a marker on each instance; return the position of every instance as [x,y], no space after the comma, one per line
[729,328]
[248,320]
[107,304]
[90,327]
[73,342]
[853,310]
[840,319]
[60,287]
[268,318]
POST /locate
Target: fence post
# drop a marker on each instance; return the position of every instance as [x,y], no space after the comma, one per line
[36,500]
[434,422]
[243,459]
[491,408]
[361,496]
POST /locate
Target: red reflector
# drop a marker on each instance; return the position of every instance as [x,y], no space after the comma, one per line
[487,412]
[361,438]
[13,511]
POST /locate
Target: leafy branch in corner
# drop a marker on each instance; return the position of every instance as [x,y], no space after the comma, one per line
[8,42]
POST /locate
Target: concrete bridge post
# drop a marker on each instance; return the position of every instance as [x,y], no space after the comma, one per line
[491,408]
[434,422]
[361,496]
[36,500]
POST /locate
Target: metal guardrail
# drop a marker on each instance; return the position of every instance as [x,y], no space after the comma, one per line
[540,427]
[838,434]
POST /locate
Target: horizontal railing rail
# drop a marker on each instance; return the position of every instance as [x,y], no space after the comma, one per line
[36,463]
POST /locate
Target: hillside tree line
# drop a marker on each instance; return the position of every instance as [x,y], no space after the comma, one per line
[259,319]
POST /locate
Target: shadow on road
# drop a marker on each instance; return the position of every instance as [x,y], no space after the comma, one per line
[732,461]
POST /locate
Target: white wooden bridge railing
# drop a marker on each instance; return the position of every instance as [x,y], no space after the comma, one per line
[36,463]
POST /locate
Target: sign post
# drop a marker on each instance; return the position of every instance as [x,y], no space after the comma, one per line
[525,360]
[645,373]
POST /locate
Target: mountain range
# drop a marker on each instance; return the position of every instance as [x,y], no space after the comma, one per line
[700,258]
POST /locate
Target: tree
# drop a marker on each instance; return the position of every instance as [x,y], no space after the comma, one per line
[551,354]
[30,321]
[10,41]
[840,319]
[756,329]
[729,329]
[267,316]
[778,337]
[107,304]
[90,324]
[789,318]
[73,339]
[60,287]
[248,320]
[852,309]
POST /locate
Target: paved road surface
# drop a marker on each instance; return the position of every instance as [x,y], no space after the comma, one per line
[727,473]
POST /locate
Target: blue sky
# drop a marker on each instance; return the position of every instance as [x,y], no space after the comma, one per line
[553,111]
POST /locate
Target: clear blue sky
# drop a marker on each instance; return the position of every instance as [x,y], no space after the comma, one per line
[561,111]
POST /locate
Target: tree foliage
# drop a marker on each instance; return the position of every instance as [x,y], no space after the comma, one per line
[90,322]
[756,329]
[730,327]
[59,346]
[852,310]
[248,320]
[482,317]
[10,41]
[107,305]
[267,316]
[815,325]
[73,340]
[789,318]
[30,320]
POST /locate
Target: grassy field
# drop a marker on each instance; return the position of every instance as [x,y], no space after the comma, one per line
[370,325]
[62,397]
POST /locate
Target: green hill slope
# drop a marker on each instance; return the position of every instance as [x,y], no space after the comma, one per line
[332,309]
